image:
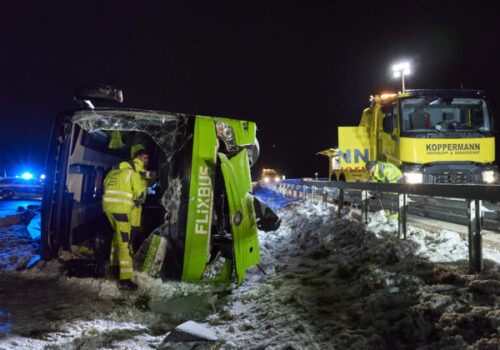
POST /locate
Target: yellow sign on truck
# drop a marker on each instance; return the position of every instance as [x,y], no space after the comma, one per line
[433,136]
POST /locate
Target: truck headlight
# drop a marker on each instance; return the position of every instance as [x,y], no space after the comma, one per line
[266,179]
[277,178]
[414,177]
[489,176]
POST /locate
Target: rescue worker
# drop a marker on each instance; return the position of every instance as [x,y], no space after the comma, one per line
[123,191]
[139,164]
[385,172]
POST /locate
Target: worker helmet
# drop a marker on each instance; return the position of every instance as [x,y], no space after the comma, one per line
[134,149]
[371,164]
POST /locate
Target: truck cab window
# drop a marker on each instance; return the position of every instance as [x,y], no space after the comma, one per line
[389,123]
[433,114]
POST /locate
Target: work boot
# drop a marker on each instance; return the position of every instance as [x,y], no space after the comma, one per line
[127,285]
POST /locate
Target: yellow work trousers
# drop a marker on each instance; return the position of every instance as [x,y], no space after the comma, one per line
[120,253]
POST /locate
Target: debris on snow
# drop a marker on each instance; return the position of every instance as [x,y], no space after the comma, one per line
[190,331]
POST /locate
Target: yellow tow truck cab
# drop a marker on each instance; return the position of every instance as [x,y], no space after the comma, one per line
[433,136]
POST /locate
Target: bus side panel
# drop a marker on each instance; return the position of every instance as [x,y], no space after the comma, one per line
[244,226]
[54,215]
[201,198]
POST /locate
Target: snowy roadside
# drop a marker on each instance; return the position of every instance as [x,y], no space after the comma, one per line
[332,284]
[329,283]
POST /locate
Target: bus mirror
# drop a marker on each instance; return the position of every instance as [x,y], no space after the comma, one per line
[98,92]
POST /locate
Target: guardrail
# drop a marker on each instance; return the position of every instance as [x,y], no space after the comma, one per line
[474,195]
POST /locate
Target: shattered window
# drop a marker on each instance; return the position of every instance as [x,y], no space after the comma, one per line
[170,132]
[167,130]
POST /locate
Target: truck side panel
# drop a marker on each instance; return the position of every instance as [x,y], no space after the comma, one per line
[354,147]
[422,151]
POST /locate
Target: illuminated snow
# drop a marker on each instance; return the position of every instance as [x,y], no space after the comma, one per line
[329,283]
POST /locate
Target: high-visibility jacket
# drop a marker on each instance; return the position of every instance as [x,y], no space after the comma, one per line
[123,189]
[139,167]
[386,172]
[136,213]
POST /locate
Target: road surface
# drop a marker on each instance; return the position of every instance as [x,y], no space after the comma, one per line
[9,207]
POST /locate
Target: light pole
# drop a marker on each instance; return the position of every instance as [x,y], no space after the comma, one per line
[400,70]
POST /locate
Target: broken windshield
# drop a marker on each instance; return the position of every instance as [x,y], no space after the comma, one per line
[170,132]
[165,129]
[436,114]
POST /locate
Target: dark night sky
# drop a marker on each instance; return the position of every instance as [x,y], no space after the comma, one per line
[299,69]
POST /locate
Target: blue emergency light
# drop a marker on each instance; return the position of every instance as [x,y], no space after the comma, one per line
[27,176]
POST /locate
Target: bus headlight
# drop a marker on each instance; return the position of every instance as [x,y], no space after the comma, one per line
[225,132]
[489,176]
[414,177]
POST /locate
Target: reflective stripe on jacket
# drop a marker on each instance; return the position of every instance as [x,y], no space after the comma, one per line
[387,172]
[123,189]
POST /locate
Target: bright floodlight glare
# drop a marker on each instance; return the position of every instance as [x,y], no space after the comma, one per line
[401,66]
[400,70]
[27,176]
[42,177]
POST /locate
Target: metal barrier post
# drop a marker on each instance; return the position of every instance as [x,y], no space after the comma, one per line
[313,192]
[304,195]
[364,206]
[325,197]
[298,192]
[402,211]
[475,223]
[341,200]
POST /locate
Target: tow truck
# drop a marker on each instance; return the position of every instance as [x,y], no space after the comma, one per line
[433,136]
[270,176]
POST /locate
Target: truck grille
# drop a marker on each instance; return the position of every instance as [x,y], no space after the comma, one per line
[453,177]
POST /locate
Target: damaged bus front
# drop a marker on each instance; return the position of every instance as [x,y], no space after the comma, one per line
[199,206]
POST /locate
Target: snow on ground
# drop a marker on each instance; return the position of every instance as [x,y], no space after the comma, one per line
[330,284]
[16,247]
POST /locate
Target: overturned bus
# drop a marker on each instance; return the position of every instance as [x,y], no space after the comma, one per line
[200,204]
